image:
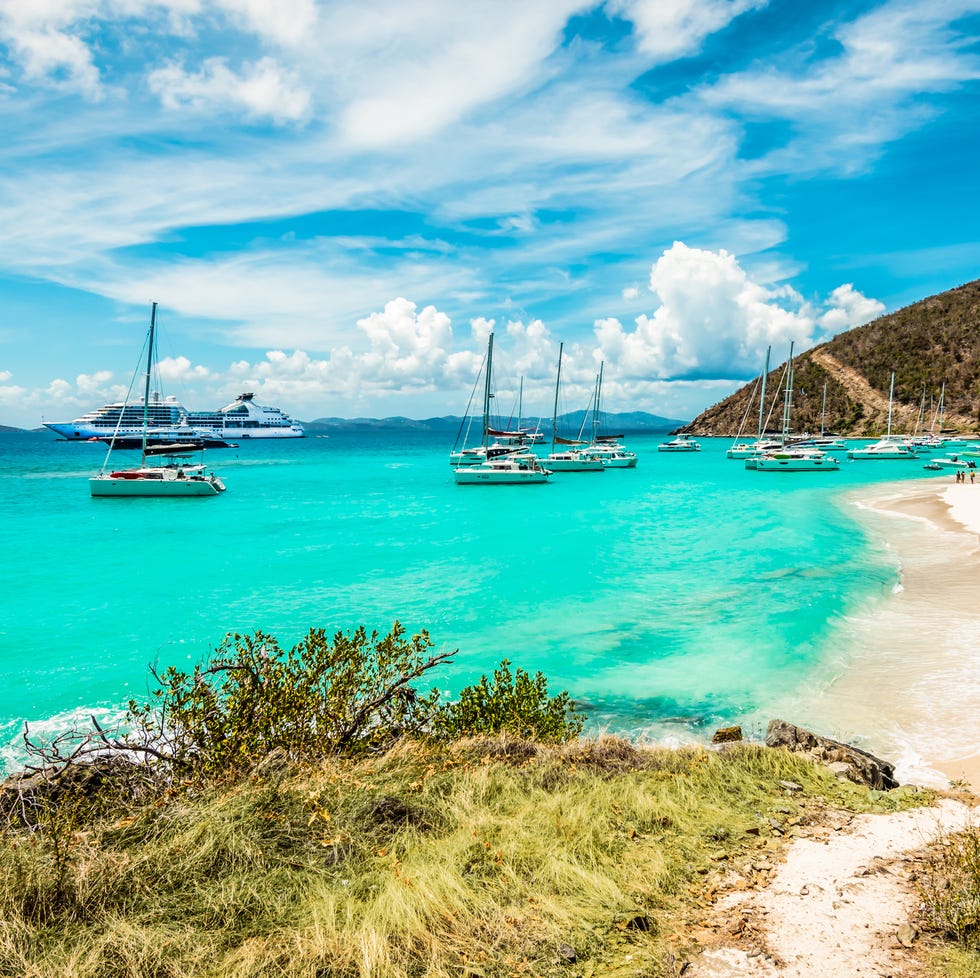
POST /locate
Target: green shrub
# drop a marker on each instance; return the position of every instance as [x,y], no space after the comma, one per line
[322,697]
[514,703]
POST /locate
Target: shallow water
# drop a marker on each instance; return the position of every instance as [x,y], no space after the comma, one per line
[669,599]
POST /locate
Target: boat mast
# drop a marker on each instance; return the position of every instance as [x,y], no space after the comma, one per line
[554,414]
[823,410]
[762,396]
[891,394]
[788,395]
[486,392]
[598,395]
[146,388]
[520,404]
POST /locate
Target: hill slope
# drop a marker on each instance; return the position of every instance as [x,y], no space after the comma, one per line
[928,343]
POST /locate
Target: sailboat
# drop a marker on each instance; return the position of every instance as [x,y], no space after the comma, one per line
[890,447]
[571,458]
[164,470]
[824,440]
[510,466]
[789,457]
[607,448]
[746,450]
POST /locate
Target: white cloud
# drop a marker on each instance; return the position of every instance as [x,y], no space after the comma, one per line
[422,65]
[263,89]
[180,370]
[58,59]
[407,347]
[714,321]
[668,29]
[848,308]
[286,22]
[5,375]
[846,106]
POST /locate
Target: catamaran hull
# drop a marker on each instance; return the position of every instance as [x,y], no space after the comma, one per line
[110,486]
[475,476]
[574,465]
[891,455]
[765,464]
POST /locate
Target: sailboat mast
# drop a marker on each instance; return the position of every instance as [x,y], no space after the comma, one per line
[762,396]
[823,410]
[146,388]
[788,395]
[554,414]
[598,395]
[486,392]
[520,403]
[891,394]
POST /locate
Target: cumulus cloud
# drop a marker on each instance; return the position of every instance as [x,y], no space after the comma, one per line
[848,308]
[180,370]
[263,89]
[286,22]
[667,29]
[714,320]
[58,59]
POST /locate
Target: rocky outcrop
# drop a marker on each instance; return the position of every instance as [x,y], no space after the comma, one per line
[846,761]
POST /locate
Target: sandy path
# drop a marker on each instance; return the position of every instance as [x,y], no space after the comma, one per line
[833,908]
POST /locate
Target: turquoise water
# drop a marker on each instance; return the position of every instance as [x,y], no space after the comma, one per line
[668,599]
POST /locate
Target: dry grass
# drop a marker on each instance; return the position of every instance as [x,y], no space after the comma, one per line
[480,860]
[950,890]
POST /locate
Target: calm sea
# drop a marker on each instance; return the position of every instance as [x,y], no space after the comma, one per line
[668,599]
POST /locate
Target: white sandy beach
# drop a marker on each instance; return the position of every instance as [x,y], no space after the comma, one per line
[909,689]
[909,685]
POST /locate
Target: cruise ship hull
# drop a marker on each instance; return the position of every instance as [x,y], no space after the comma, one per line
[169,421]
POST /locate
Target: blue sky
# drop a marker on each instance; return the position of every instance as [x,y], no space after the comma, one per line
[333,202]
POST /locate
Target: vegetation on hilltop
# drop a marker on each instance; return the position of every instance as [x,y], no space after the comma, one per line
[926,344]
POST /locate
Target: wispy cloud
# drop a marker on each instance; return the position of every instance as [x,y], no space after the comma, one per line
[262,89]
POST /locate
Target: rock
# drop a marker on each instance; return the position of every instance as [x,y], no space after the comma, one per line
[906,935]
[727,735]
[633,921]
[567,953]
[24,794]
[790,786]
[859,766]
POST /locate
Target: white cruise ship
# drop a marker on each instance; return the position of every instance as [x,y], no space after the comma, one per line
[168,419]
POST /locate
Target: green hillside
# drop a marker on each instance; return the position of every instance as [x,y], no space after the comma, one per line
[926,344]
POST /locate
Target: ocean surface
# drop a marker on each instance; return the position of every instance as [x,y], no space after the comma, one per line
[669,599]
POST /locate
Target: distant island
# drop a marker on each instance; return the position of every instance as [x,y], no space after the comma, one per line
[627,422]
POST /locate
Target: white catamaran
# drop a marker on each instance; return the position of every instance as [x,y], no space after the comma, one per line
[480,466]
[571,457]
[788,457]
[164,470]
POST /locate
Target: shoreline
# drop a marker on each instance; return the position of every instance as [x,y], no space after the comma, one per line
[911,680]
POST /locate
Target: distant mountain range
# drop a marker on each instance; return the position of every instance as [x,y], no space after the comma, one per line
[632,421]
[926,344]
